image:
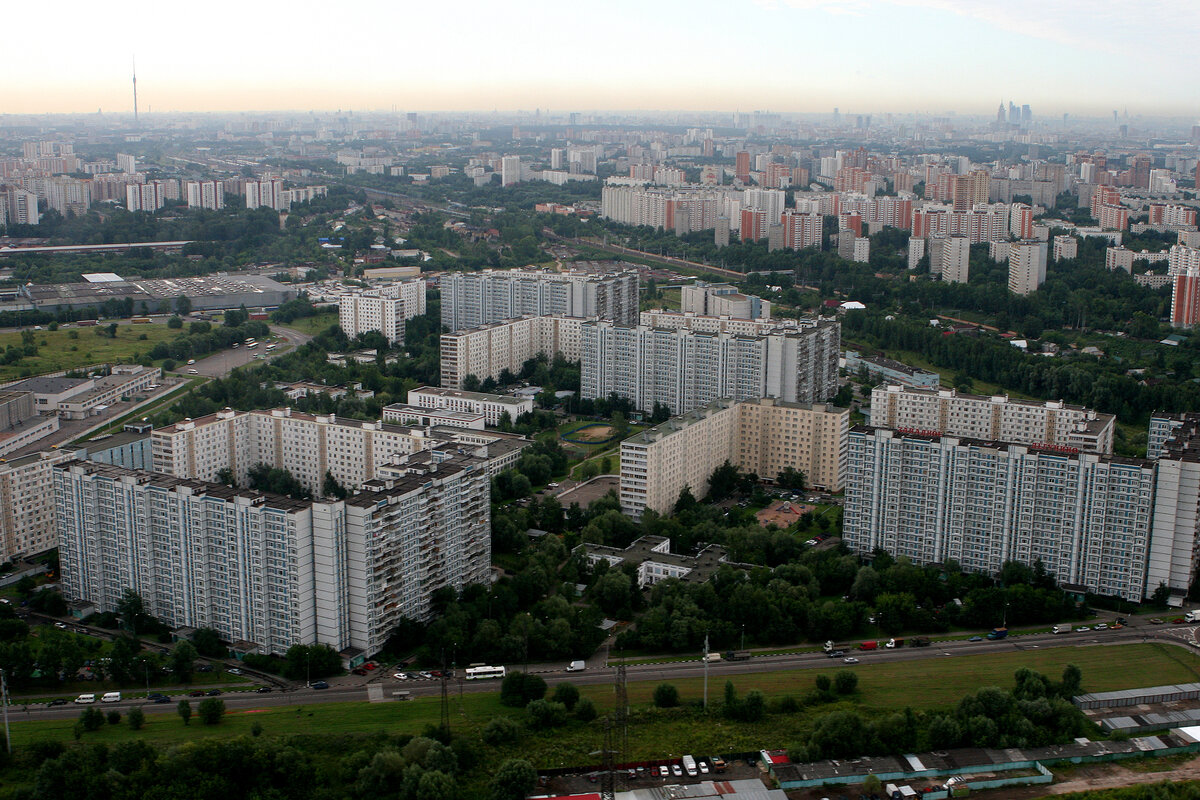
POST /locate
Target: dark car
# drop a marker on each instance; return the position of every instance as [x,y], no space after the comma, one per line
[320,685]
[263,689]
[212,692]
[196,693]
[158,697]
[836,653]
[58,701]
[204,668]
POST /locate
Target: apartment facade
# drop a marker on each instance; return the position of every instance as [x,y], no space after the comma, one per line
[491,406]
[722,300]
[997,418]
[472,299]
[1085,516]
[764,436]
[27,510]
[683,369]
[489,350]
[271,570]
[307,445]
[383,310]
[1026,266]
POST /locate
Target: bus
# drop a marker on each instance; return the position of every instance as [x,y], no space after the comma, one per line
[250,340]
[483,673]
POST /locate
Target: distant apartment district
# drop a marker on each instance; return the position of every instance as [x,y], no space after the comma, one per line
[936,475]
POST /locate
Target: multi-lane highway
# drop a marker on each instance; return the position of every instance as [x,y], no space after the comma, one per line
[355,689]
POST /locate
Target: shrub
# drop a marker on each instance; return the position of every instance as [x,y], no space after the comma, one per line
[823,683]
[136,718]
[666,695]
[567,694]
[500,730]
[211,710]
[546,714]
[519,689]
[846,682]
[114,717]
[92,719]
[585,710]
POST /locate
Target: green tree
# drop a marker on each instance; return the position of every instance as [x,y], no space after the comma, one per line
[113,717]
[183,660]
[515,779]
[208,643]
[92,719]
[175,323]
[846,682]
[500,730]
[211,710]
[183,305]
[585,710]
[136,718]
[518,689]
[791,479]
[567,694]
[546,714]
[435,785]
[131,609]
[184,710]
[666,695]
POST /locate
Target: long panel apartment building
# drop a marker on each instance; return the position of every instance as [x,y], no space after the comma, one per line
[489,350]
[1085,516]
[763,436]
[309,446]
[270,570]
[995,418]
[472,299]
[683,368]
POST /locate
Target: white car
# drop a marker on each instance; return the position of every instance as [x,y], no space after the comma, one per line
[849,660]
[1082,629]
[1103,626]
[84,699]
[191,361]
[234,671]
[400,676]
[193,371]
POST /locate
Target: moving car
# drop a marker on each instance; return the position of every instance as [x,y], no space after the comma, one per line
[111,697]
[234,671]
[58,701]
[850,660]
[400,676]
[84,699]
[1103,626]
[836,653]
[975,639]
[263,690]
[213,692]
[320,685]
[1082,629]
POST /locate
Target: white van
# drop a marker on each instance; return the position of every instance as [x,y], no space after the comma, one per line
[576,666]
[1192,616]
[84,699]
[1061,629]
[111,697]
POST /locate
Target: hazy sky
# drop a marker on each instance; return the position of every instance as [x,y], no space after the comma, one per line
[1079,56]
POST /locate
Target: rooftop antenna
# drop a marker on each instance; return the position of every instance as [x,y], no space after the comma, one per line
[135,114]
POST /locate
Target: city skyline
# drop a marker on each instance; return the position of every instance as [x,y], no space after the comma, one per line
[803,56]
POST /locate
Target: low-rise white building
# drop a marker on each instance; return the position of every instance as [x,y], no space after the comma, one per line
[491,406]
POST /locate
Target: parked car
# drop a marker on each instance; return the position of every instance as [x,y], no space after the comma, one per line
[204,668]
[664,771]
[234,671]
[677,770]
[358,671]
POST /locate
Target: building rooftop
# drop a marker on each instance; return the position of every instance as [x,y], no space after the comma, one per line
[479,397]
[48,385]
[679,423]
[110,441]
[1035,447]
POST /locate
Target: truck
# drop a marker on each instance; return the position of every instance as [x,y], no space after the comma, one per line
[998,633]
[869,646]
[1061,628]
[737,655]
[894,643]
[1192,616]
[919,641]
[689,766]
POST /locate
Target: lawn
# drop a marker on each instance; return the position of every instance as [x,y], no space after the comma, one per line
[932,683]
[314,324]
[57,350]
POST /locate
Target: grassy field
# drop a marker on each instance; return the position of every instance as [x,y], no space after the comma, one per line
[57,350]
[314,324]
[928,684]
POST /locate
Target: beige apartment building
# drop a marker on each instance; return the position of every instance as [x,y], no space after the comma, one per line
[27,511]
[763,436]
[996,418]
[488,350]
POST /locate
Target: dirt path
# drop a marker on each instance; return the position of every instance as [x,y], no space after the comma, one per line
[1100,776]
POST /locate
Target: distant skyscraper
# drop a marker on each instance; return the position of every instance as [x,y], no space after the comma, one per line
[1001,117]
[1026,114]
[742,166]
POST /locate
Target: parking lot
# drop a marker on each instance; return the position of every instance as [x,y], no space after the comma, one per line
[646,775]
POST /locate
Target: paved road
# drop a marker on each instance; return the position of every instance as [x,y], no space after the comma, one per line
[353,688]
[219,364]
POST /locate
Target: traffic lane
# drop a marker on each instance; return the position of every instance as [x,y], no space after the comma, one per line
[221,363]
[243,701]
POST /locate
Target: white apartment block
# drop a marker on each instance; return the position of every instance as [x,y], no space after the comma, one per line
[1175,542]
[27,512]
[684,208]
[489,350]
[722,300]
[126,162]
[997,418]
[384,309]
[270,570]
[686,320]
[1085,516]
[205,194]
[471,299]
[405,414]
[150,196]
[684,369]
[1065,247]
[762,436]
[491,406]
[956,259]
[1181,259]
[267,192]
[307,445]
[22,207]
[1026,266]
